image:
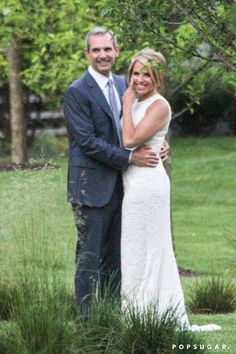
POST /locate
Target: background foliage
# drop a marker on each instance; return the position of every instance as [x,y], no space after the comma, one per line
[51,37]
[197,38]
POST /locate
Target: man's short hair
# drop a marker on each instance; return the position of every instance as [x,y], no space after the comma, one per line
[100,31]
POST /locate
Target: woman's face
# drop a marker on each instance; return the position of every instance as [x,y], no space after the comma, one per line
[142,82]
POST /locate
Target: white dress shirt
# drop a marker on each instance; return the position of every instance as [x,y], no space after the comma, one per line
[102,81]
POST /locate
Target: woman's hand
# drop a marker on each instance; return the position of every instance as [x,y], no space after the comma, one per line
[129,96]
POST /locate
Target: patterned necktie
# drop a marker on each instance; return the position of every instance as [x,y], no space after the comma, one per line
[114,108]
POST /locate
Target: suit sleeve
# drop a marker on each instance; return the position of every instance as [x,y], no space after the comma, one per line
[80,124]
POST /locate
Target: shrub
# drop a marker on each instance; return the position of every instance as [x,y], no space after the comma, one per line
[10,339]
[149,333]
[99,332]
[45,322]
[107,330]
[146,332]
[212,295]
[7,296]
[213,117]
[43,313]
[48,147]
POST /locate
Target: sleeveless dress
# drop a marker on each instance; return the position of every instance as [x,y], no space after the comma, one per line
[150,274]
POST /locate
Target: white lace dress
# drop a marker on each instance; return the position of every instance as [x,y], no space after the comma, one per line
[149,271]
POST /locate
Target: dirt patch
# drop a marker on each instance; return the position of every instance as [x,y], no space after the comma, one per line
[11,166]
[188,272]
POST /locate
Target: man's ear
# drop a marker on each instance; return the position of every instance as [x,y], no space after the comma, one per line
[87,54]
[117,50]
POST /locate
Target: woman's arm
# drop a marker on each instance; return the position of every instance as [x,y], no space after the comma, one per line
[155,118]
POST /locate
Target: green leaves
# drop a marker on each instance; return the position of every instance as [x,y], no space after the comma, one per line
[50,35]
[196,38]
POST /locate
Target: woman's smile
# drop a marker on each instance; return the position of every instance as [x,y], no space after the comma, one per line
[143,83]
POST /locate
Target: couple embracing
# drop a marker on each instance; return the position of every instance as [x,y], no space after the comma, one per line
[117,185]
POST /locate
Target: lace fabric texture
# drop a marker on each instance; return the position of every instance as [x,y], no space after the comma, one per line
[150,274]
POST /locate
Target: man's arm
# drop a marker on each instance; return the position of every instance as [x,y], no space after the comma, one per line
[80,123]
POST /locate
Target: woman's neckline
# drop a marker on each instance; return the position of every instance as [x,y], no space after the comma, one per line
[148,98]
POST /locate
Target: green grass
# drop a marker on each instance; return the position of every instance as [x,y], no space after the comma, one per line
[35,216]
[204,207]
[226,336]
[213,295]
[37,230]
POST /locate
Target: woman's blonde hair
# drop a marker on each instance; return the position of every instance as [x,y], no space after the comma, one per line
[152,60]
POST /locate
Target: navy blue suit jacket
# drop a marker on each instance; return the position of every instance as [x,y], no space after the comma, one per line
[95,157]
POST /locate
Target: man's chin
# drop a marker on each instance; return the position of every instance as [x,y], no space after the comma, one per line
[104,70]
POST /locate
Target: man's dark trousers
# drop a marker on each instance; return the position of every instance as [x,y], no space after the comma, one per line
[98,249]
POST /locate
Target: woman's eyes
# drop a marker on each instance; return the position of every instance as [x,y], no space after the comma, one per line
[143,74]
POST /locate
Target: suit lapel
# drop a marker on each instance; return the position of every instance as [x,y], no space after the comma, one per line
[100,98]
[98,95]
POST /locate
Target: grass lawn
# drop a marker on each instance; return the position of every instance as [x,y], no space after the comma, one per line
[204,209]
[37,223]
[204,202]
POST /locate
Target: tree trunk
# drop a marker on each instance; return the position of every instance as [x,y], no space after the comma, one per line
[18,118]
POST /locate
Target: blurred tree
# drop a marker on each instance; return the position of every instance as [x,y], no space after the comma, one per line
[196,36]
[41,49]
[18,121]
[47,40]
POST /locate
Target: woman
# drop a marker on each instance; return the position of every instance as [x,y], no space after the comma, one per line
[149,271]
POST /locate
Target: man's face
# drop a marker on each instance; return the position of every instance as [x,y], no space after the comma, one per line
[102,54]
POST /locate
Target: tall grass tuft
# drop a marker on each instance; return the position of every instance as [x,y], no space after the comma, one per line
[147,331]
[42,307]
[150,333]
[10,339]
[186,342]
[42,313]
[212,295]
[7,296]
[99,331]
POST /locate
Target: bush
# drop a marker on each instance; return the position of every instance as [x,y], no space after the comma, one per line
[48,147]
[43,312]
[100,331]
[214,116]
[212,295]
[107,330]
[10,339]
[45,323]
[7,297]
[149,333]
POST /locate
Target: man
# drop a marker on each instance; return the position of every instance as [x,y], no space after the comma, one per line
[92,108]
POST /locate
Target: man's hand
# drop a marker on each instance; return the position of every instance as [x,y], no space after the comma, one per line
[145,157]
[164,150]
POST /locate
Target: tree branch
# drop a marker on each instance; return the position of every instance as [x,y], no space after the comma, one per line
[189,79]
[199,30]
[176,115]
